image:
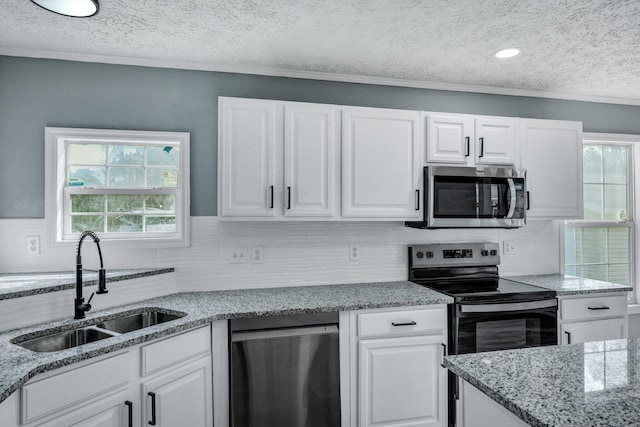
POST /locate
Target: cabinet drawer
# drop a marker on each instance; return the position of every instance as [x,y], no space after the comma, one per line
[165,353]
[401,322]
[74,386]
[594,307]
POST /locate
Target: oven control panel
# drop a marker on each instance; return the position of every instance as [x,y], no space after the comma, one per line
[454,254]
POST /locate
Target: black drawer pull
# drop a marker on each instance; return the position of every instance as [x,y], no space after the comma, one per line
[153,408]
[130,412]
[568,337]
[604,307]
[412,323]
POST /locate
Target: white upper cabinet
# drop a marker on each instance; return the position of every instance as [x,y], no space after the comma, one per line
[249,166]
[496,141]
[381,164]
[278,159]
[311,159]
[551,152]
[470,140]
[449,138]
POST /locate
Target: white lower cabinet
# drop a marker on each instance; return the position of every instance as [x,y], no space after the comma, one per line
[596,317]
[179,397]
[122,389]
[479,410]
[397,378]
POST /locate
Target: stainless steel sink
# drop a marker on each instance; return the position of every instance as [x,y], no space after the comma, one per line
[64,340]
[133,322]
[121,324]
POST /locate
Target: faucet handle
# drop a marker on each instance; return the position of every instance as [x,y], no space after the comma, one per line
[87,305]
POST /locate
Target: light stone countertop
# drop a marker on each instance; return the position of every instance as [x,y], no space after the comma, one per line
[17,285]
[18,365]
[593,384]
[569,285]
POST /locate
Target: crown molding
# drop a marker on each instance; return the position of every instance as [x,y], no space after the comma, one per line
[308,75]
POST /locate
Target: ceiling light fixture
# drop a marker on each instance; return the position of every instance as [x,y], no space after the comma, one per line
[74,8]
[507,53]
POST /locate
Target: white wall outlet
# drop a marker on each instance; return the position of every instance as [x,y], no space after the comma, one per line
[509,247]
[354,252]
[238,255]
[257,254]
[33,245]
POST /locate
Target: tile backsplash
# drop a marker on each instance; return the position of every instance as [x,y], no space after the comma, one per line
[294,253]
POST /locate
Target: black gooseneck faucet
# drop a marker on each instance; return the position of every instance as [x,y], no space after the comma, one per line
[79,304]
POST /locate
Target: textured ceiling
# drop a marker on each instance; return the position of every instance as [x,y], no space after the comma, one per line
[584,48]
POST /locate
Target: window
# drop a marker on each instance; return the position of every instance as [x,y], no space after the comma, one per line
[601,245]
[124,185]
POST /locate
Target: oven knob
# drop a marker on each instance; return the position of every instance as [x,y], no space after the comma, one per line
[429,254]
[484,252]
[420,255]
[494,252]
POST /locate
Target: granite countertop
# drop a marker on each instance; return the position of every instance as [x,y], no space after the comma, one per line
[594,384]
[570,285]
[17,365]
[17,285]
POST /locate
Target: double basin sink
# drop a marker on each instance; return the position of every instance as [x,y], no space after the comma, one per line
[49,341]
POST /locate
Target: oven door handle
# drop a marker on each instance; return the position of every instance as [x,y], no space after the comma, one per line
[519,306]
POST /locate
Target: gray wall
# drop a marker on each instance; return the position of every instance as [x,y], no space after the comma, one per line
[35,93]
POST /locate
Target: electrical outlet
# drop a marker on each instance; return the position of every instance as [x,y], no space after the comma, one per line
[33,245]
[257,254]
[354,252]
[509,247]
[238,256]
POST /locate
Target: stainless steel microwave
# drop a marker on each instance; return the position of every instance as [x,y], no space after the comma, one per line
[473,197]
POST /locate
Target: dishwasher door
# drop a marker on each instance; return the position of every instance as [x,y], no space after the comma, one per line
[285,377]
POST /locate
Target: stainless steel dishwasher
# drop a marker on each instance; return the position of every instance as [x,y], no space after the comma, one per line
[285,371]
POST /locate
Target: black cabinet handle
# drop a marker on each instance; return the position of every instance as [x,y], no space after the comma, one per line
[130,412]
[271,189]
[444,353]
[288,197]
[481,147]
[568,337]
[153,407]
[468,141]
[604,307]
[528,201]
[412,323]
[417,200]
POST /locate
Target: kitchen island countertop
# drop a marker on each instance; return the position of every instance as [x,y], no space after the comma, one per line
[594,384]
[18,365]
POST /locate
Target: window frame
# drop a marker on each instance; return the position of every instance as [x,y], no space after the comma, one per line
[58,193]
[630,141]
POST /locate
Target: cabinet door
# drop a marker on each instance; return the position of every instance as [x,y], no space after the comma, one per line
[449,139]
[9,410]
[496,141]
[596,330]
[401,382]
[180,397]
[551,151]
[311,139]
[250,166]
[381,164]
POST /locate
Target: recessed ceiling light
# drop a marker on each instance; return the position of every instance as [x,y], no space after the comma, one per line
[507,53]
[74,8]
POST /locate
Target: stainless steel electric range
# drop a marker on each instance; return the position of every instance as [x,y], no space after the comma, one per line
[488,313]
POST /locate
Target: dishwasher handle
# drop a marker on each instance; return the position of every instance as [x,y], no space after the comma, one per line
[285,332]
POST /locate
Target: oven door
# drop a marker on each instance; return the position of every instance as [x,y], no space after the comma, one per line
[504,326]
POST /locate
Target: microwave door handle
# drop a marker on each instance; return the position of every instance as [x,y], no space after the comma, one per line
[512,192]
